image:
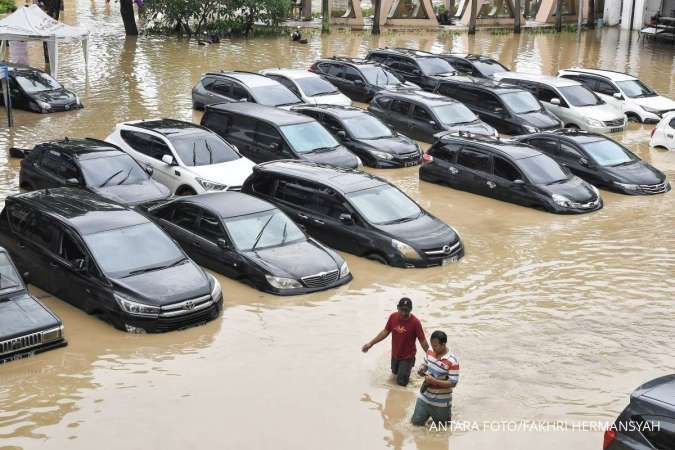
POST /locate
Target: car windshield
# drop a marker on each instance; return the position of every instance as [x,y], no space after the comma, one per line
[521,102]
[261,230]
[314,85]
[379,77]
[580,96]
[435,66]
[635,89]
[488,67]
[111,171]
[384,205]
[541,169]
[308,137]
[131,250]
[202,148]
[454,113]
[608,153]
[33,82]
[9,278]
[365,126]
[274,95]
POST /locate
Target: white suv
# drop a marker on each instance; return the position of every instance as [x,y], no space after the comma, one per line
[187,158]
[310,87]
[664,133]
[637,100]
[574,104]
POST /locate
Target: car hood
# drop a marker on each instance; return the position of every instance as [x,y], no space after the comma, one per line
[330,99]
[231,173]
[638,172]
[166,286]
[133,194]
[396,145]
[424,232]
[22,314]
[575,189]
[296,260]
[604,112]
[55,97]
[476,127]
[540,119]
[340,157]
[658,103]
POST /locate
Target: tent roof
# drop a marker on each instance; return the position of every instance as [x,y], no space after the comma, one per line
[33,23]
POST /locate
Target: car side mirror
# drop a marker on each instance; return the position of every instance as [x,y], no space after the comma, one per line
[342,134]
[584,162]
[168,159]
[243,99]
[518,182]
[72,182]
[618,96]
[149,170]
[433,123]
[274,146]
[359,82]
[225,245]
[555,101]
[417,72]
[346,219]
[80,265]
[499,111]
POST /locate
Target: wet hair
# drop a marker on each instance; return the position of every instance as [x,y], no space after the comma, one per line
[439,336]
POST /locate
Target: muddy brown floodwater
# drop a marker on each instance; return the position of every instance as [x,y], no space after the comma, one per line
[554,318]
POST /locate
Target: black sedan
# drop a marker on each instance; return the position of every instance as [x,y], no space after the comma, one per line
[27,327]
[601,161]
[250,240]
[34,90]
[366,136]
[508,171]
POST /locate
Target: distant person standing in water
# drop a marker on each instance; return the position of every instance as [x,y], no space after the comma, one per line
[296,36]
[405,329]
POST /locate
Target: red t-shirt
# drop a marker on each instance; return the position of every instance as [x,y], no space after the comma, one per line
[403,335]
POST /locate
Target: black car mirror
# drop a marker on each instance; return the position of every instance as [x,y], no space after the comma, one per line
[359,82]
[72,182]
[274,146]
[224,244]
[346,219]
[417,72]
[500,111]
[342,134]
[80,265]
[519,182]
[583,162]
[149,170]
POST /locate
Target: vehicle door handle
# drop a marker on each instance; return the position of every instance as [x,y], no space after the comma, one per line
[22,245]
[196,243]
[53,265]
[491,184]
[302,216]
[669,135]
[319,222]
[453,170]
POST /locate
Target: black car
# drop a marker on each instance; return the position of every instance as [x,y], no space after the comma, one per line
[90,164]
[474,65]
[421,115]
[250,240]
[34,90]
[262,133]
[365,135]
[601,161]
[648,422]
[27,327]
[107,260]
[508,171]
[237,86]
[510,109]
[356,212]
[359,79]
[424,69]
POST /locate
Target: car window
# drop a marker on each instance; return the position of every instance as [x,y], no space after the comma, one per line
[420,113]
[185,216]
[266,134]
[541,169]
[332,124]
[379,76]
[330,206]
[70,249]
[549,146]
[10,281]
[263,184]
[274,95]
[264,229]
[383,102]
[580,96]
[608,153]
[472,159]
[447,152]
[569,151]
[636,89]
[465,95]
[330,69]
[605,87]
[297,193]
[545,94]
[239,92]
[239,128]
[434,66]
[221,87]
[313,85]
[42,231]
[489,67]
[400,107]
[139,141]
[366,126]
[209,227]
[308,137]
[454,114]
[18,216]
[351,74]
[504,169]
[522,102]
[384,205]
[58,164]
[34,82]
[672,123]
[462,66]
[404,66]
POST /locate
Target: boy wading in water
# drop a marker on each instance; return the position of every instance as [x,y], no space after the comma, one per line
[441,374]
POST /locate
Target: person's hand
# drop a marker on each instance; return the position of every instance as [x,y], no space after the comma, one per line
[421,371]
[365,348]
[429,380]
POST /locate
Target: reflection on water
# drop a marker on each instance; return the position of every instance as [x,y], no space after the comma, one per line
[552,317]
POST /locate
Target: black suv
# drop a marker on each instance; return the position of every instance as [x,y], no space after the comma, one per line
[422,68]
[508,171]
[510,109]
[236,86]
[358,79]
[648,422]
[107,260]
[27,327]
[34,90]
[262,133]
[421,115]
[600,161]
[474,65]
[365,135]
[90,164]
[356,212]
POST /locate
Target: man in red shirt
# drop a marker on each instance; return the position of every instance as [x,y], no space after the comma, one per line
[405,329]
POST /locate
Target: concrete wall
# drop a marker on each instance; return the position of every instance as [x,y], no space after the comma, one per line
[644,10]
[612,14]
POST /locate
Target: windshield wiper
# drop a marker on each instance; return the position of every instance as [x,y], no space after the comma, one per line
[323,149]
[262,230]
[107,180]
[194,153]
[624,163]
[147,269]
[176,263]
[557,181]
[208,149]
[126,177]
[283,234]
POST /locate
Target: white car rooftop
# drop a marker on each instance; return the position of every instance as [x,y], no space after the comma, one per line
[250,79]
[293,74]
[547,79]
[612,75]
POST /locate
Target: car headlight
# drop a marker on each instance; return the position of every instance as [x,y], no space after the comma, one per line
[530,129]
[53,334]
[44,105]
[282,283]
[594,122]
[216,290]
[381,155]
[210,185]
[405,250]
[135,308]
[561,200]
[344,270]
[627,186]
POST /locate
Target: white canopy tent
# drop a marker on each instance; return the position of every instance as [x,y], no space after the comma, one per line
[32,24]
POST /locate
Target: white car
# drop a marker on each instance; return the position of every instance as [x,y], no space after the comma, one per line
[664,133]
[187,158]
[570,101]
[310,87]
[637,100]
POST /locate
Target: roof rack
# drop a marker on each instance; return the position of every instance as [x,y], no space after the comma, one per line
[411,51]
[350,59]
[469,135]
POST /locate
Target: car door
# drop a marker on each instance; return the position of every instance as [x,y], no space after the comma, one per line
[149,150]
[325,225]
[209,253]
[39,239]
[54,169]
[545,94]
[422,125]
[443,167]
[353,83]
[26,248]
[270,146]
[510,184]
[331,72]
[475,167]
[221,91]
[398,116]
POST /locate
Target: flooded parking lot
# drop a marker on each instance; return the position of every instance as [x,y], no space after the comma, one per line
[553,318]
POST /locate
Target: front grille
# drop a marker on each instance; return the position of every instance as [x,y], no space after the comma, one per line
[168,323]
[614,123]
[186,307]
[20,343]
[443,252]
[321,279]
[654,188]
[588,205]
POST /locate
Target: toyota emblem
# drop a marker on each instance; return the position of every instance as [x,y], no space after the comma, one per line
[189,305]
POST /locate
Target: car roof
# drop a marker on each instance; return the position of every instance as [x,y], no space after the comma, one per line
[349,60]
[495,86]
[427,98]
[342,180]
[343,112]
[84,211]
[292,74]
[227,204]
[578,136]
[511,148]
[661,389]
[411,52]
[84,148]
[166,127]
[546,79]
[612,75]
[250,79]
[278,116]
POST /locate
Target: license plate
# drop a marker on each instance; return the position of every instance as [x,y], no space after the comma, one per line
[616,130]
[17,357]
[409,163]
[452,259]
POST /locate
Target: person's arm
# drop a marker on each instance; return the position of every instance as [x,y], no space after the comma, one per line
[453,377]
[422,338]
[380,336]
[422,370]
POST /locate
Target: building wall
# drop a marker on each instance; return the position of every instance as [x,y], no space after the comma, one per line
[644,10]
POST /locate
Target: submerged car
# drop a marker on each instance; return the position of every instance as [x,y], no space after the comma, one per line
[252,241]
[27,327]
[648,422]
[93,165]
[474,65]
[310,87]
[663,135]
[508,171]
[34,90]
[356,212]
[187,158]
[107,260]
[601,161]
[366,136]
[424,69]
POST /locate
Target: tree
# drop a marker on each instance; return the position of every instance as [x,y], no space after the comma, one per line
[472,17]
[516,16]
[127,11]
[325,20]
[376,18]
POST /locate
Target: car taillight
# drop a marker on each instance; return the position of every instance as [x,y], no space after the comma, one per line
[427,158]
[610,435]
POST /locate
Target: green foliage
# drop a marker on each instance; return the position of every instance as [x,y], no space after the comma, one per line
[7,6]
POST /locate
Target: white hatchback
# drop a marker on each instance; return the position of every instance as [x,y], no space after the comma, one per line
[187,158]
[310,87]
[664,133]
